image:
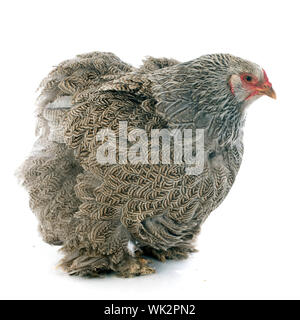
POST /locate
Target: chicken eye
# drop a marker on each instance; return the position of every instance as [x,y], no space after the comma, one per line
[248,78]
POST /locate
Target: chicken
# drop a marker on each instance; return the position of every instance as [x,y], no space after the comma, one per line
[112,216]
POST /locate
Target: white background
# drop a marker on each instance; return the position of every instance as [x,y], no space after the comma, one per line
[249,246]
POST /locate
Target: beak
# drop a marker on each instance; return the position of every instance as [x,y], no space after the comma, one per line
[268,91]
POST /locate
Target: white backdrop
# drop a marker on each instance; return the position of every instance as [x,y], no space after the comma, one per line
[249,246]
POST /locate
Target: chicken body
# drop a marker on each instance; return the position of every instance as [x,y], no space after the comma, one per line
[107,216]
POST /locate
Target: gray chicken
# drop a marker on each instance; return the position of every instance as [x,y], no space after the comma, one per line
[111,216]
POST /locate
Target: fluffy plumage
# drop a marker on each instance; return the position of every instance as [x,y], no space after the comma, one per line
[108,216]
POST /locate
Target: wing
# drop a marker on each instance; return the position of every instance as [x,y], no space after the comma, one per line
[141,202]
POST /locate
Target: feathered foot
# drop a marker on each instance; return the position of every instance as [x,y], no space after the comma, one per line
[170,254]
[135,267]
[98,266]
[84,265]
